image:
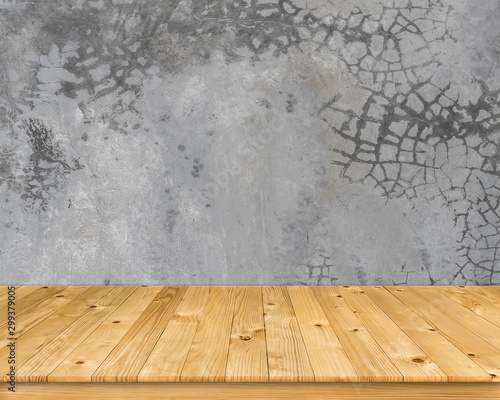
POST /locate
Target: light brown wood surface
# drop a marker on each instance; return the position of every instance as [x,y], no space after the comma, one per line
[286,351]
[454,363]
[37,313]
[125,361]
[253,391]
[366,355]
[86,358]
[207,357]
[328,357]
[476,348]
[409,359]
[26,298]
[42,362]
[486,308]
[271,335]
[28,342]
[482,293]
[247,358]
[170,352]
[468,318]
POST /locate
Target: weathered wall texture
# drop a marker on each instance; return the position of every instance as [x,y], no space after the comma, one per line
[250,142]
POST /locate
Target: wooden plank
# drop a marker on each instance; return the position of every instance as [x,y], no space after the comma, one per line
[86,358]
[207,358]
[483,293]
[28,298]
[169,355]
[42,310]
[23,291]
[479,350]
[20,292]
[495,289]
[252,391]
[247,359]
[4,295]
[328,358]
[127,358]
[49,327]
[411,361]
[39,365]
[367,357]
[468,318]
[286,352]
[476,304]
[453,362]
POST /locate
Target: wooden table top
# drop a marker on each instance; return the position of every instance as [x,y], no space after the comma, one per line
[254,333]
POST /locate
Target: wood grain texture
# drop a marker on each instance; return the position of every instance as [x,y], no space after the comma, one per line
[3,294]
[125,361]
[476,348]
[454,363]
[45,308]
[327,356]
[27,297]
[33,339]
[207,357]
[239,335]
[47,357]
[475,303]
[409,359]
[86,358]
[483,293]
[22,291]
[252,391]
[495,290]
[286,352]
[167,359]
[247,358]
[469,319]
[366,355]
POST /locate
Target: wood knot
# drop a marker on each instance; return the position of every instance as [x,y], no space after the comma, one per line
[116,322]
[60,295]
[319,325]
[398,290]
[461,286]
[244,337]
[493,375]
[346,286]
[80,362]
[432,329]
[45,287]
[93,306]
[175,316]
[355,329]
[270,304]
[339,295]
[471,354]
[417,360]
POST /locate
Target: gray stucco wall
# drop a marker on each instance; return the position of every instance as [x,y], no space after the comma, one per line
[250,142]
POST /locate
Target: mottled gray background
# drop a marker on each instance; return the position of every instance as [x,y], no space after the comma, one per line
[249,142]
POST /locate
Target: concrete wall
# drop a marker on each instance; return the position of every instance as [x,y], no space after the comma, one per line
[249,142]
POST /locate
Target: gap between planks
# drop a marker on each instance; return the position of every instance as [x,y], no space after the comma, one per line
[260,334]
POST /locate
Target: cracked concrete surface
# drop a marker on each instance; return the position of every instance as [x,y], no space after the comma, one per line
[250,142]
